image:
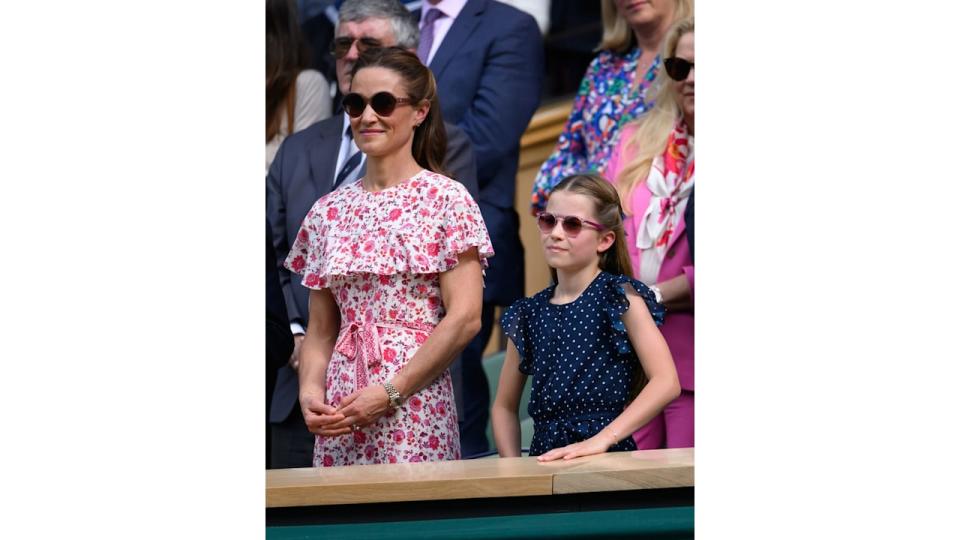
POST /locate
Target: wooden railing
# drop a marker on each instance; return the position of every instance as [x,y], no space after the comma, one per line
[479,478]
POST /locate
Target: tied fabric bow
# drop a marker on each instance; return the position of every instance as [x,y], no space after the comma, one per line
[360,344]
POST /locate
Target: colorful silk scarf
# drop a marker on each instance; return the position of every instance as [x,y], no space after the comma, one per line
[670,181]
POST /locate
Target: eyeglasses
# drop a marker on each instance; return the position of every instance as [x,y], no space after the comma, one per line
[677,68]
[341,45]
[383,103]
[572,225]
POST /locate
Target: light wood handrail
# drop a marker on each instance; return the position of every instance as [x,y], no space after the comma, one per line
[546,124]
[479,478]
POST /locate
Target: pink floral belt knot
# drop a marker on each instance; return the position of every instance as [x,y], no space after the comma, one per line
[360,343]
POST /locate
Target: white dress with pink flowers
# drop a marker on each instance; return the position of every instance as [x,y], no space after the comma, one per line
[381,255]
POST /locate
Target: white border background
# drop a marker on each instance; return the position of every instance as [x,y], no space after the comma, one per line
[132,281]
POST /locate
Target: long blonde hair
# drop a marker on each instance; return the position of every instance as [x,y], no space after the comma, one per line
[617,34]
[653,128]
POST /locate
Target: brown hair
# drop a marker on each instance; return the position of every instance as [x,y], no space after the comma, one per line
[287,56]
[609,213]
[430,138]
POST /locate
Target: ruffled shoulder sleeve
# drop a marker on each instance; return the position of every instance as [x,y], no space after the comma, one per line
[617,304]
[515,322]
[305,253]
[419,227]
[461,225]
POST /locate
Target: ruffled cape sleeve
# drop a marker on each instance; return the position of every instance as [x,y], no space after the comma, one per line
[462,228]
[422,230]
[304,253]
[515,322]
[617,304]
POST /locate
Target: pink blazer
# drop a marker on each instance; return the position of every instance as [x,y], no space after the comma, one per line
[677,326]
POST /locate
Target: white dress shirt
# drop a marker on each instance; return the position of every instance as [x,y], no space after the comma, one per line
[347,147]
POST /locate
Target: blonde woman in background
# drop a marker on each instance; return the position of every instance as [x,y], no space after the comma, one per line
[614,90]
[653,169]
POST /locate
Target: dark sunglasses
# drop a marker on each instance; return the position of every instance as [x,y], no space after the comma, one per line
[341,45]
[677,68]
[383,103]
[572,225]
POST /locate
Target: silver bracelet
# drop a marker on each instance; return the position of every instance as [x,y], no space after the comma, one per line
[656,293]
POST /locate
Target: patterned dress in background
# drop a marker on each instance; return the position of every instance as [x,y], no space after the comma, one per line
[607,100]
[381,255]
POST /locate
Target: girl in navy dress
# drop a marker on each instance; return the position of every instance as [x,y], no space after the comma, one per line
[601,369]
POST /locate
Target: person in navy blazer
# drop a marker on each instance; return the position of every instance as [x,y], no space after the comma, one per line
[304,170]
[489,72]
[279,340]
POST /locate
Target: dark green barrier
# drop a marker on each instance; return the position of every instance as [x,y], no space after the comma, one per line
[645,523]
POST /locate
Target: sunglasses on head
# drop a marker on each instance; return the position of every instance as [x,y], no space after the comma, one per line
[341,45]
[572,225]
[677,68]
[383,103]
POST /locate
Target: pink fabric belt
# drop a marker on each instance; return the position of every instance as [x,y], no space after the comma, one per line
[360,344]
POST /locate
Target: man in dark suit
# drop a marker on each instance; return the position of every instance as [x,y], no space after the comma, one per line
[279,340]
[487,58]
[310,164]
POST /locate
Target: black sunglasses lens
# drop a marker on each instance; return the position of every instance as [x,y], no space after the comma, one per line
[340,46]
[572,225]
[367,43]
[383,103]
[677,68]
[354,104]
[546,222]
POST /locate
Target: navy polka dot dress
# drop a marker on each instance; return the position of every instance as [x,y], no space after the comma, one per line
[580,358]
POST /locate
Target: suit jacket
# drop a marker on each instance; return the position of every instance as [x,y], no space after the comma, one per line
[489,71]
[279,340]
[302,172]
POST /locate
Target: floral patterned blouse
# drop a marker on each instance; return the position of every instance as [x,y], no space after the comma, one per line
[605,102]
[381,255]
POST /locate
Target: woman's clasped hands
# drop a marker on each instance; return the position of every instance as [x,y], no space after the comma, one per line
[356,410]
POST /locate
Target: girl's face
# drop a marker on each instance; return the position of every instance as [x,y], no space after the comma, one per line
[572,253]
[382,135]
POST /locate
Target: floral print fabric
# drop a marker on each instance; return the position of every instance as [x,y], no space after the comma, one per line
[381,255]
[670,181]
[607,99]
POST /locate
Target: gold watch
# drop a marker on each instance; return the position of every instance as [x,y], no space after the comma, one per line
[395,399]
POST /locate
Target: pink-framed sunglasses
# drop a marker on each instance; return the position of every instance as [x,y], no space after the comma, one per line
[572,225]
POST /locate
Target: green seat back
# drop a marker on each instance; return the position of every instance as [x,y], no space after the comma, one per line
[491,366]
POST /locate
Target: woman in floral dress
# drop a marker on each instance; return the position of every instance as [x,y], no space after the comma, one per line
[394,263]
[613,91]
